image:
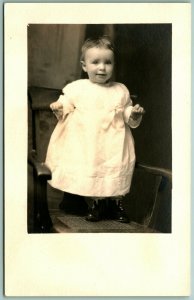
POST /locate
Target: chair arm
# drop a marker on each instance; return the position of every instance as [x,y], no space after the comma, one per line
[155,171]
[39,167]
[159,213]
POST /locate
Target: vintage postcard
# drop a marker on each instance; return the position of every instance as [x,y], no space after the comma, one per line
[97,149]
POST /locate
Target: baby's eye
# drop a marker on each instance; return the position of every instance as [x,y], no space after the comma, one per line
[108,62]
[95,62]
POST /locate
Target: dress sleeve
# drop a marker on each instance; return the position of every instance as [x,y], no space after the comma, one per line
[67,100]
[127,113]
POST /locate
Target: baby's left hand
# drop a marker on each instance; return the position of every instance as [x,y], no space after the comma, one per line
[137,112]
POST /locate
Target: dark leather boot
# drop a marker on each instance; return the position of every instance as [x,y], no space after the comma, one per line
[117,211]
[93,212]
[73,204]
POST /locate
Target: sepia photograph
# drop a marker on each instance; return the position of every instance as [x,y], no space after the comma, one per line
[90,86]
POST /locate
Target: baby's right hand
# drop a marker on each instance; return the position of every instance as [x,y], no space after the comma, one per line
[57,109]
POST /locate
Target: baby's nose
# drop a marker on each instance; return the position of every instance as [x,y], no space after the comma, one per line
[101,66]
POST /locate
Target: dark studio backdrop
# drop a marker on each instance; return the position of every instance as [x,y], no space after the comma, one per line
[142,63]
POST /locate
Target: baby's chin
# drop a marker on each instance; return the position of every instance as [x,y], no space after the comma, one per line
[100,81]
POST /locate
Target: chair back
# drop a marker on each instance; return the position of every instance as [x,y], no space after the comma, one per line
[41,120]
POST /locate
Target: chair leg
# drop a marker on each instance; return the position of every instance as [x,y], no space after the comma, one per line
[42,219]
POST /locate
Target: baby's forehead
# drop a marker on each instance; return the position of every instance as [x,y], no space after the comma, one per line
[97,50]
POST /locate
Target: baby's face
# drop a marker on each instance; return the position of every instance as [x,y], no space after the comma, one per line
[99,64]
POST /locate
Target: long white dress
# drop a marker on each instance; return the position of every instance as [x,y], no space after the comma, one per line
[91,150]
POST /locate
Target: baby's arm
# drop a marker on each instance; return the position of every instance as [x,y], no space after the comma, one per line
[57,108]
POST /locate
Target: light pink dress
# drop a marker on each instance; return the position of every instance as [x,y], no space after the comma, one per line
[91,151]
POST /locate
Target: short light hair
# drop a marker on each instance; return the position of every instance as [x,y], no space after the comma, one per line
[100,42]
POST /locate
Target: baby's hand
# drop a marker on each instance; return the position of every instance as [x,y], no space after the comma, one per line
[137,112]
[57,109]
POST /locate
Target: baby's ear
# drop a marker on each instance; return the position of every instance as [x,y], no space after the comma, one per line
[83,65]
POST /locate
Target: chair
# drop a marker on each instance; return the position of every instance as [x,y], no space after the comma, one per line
[149,202]
[39,131]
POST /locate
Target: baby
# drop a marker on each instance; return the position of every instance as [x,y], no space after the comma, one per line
[91,151]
